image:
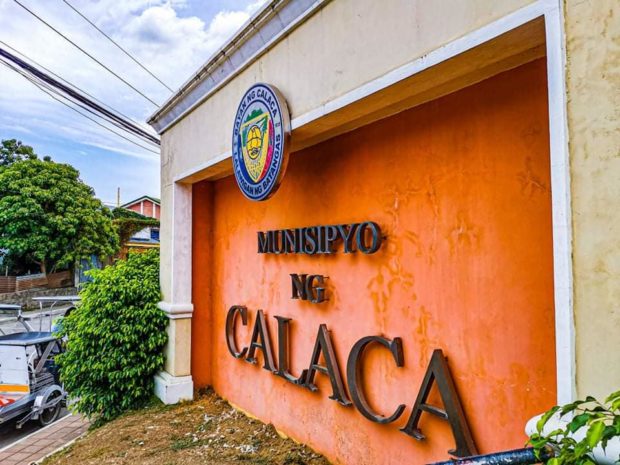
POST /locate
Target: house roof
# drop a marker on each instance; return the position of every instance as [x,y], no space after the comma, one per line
[140,199]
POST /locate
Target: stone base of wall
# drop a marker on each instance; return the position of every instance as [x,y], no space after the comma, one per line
[24,298]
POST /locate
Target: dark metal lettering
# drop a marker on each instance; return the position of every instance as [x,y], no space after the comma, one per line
[321,239]
[304,287]
[348,236]
[355,378]
[278,242]
[311,245]
[298,284]
[299,248]
[270,242]
[331,235]
[376,236]
[289,241]
[230,329]
[323,345]
[283,352]
[262,242]
[261,330]
[315,293]
[365,237]
[439,372]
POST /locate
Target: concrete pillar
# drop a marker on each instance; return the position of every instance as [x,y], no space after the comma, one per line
[175,382]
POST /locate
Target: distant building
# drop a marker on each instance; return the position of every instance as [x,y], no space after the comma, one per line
[145,205]
[148,237]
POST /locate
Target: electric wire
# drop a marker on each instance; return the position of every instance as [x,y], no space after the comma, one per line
[50,91]
[84,103]
[85,52]
[75,87]
[118,46]
[77,96]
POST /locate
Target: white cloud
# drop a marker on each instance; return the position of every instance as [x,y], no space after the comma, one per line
[163,35]
[172,46]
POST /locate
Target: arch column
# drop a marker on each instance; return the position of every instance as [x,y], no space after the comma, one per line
[175,383]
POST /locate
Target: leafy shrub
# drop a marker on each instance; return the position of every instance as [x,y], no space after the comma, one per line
[599,420]
[115,338]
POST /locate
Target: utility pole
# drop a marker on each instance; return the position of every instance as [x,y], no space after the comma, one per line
[118,197]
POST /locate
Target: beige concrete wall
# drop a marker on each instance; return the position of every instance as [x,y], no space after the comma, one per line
[593,85]
[346,44]
[178,347]
[165,221]
[351,42]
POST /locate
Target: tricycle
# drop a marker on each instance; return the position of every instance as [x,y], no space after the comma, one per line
[30,388]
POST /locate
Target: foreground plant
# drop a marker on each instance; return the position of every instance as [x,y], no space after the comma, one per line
[115,339]
[593,425]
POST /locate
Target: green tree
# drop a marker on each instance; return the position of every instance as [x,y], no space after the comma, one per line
[12,150]
[50,217]
[115,338]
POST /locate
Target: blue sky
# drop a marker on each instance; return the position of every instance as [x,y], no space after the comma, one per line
[173,38]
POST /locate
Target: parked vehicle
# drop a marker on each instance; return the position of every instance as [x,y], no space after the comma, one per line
[14,311]
[30,387]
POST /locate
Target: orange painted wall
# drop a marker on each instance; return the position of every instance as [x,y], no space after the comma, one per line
[461,187]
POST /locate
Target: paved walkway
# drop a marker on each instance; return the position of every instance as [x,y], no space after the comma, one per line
[9,435]
[38,445]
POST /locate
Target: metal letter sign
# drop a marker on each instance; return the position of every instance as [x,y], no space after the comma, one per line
[437,373]
[260,139]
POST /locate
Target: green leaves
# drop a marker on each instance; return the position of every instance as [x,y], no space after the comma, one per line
[115,338]
[13,150]
[50,217]
[545,418]
[572,446]
[595,434]
[577,422]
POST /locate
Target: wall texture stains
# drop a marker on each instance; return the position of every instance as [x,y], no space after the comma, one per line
[460,188]
[593,85]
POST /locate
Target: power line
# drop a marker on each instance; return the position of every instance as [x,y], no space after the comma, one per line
[79,97]
[118,46]
[96,122]
[84,52]
[65,81]
[49,91]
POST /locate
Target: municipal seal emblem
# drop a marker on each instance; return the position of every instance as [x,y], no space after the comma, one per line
[260,141]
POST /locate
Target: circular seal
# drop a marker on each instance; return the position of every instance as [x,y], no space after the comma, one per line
[260,141]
